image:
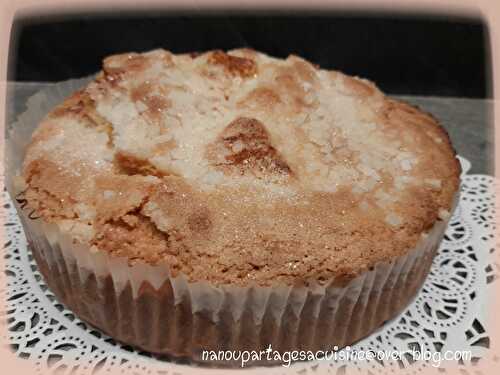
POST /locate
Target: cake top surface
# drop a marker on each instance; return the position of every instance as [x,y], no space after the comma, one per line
[239,167]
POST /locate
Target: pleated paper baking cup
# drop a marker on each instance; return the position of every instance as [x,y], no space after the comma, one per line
[146,306]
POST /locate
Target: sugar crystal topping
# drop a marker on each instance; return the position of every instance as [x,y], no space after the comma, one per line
[201,145]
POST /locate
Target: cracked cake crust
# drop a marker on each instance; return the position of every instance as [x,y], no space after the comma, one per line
[238,168]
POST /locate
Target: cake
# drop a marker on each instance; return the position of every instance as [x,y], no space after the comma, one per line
[233,200]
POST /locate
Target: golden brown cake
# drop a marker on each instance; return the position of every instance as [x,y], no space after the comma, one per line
[235,200]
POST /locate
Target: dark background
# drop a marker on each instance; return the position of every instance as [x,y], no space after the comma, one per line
[425,54]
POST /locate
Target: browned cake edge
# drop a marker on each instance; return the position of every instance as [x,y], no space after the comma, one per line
[144,306]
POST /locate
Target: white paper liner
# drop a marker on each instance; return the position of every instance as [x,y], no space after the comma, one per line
[145,306]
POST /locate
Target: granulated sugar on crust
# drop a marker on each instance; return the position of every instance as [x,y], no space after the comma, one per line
[239,167]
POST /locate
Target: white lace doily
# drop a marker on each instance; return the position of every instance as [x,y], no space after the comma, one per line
[449,312]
